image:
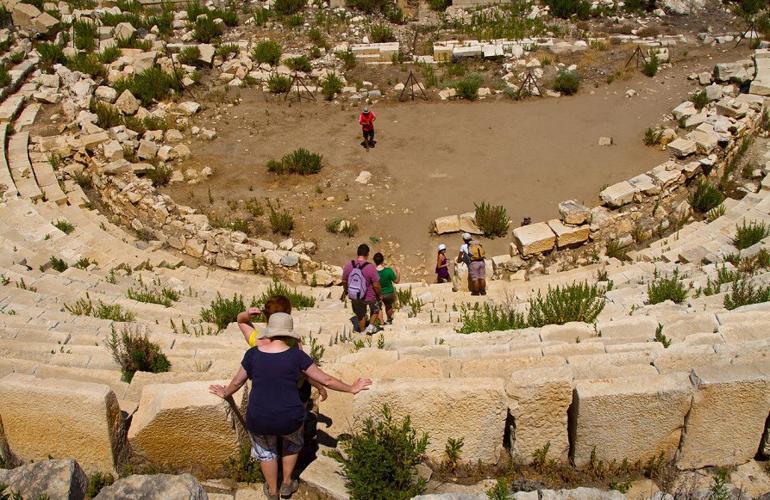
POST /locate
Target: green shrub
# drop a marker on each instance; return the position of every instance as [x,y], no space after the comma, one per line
[260,16]
[331,86]
[369,6]
[468,87]
[84,34]
[244,468]
[134,352]
[749,234]
[300,161]
[499,491]
[380,460]
[151,122]
[86,307]
[109,55]
[662,289]
[267,51]
[163,296]
[223,311]
[288,7]
[278,83]
[699,99]
[489,317]
[724,276]
[439,5]
[226,49]
[381,33]
[135,124]
[301,63]
[293,21]
[5,77]
[317,37]
[229,17]
[298,300]
[567,82]
[205,29]
[660,337]
[96,482]
[491,219]
[133,43]
[160,175]
[110,19]
[705,197]
[83,263]
[150,85]
[17,57]
[50,55]
[58,264]
[575,302]
[743,292]
[281,221]
[189,55]
[87,63]
[348,59]
[194,9]
[64,226]
[650,67]
[568,8]
[652,136]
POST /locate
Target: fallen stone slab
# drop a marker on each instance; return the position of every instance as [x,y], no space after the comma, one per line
[154,487]
[88,419]
[534,238]
[681,147]
[645,184]
[569,235]
[573,212]
[637,418]
[444,411]
[155,432]
[727,419]
[619,194]
[47,479]
[446,224]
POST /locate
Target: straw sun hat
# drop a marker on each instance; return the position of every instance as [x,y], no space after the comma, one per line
[280,325]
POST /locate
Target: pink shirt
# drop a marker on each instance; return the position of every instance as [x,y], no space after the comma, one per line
[369,271]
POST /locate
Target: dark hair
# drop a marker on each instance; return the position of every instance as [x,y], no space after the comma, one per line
[276,304]
[378,258]
[363,250]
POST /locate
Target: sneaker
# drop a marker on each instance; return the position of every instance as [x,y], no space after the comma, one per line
[389,322]
[287,490]
[356,327]
[266,490]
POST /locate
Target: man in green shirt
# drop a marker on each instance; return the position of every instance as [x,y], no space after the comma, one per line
[388,276]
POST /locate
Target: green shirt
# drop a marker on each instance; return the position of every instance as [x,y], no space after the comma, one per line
[387,277]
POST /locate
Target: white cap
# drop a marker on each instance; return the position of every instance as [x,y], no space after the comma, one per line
[467,236]
[441,247]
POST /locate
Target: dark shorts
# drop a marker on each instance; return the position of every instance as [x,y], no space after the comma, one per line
[369,135]
[389,299]
[360,306]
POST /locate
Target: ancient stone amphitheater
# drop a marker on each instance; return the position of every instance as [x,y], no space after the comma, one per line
[614,390]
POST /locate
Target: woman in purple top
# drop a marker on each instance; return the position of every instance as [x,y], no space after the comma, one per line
[275,411]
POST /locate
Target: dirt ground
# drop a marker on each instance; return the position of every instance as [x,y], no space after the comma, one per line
[435,159]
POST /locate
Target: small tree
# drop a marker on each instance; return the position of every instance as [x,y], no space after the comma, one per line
[380,460]
[567,82]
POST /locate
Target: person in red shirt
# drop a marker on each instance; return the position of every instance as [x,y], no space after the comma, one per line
[366,120]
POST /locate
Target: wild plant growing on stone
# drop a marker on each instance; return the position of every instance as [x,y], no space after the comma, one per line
[705,197]
[748,234]
[491,219]
[331,86]
[567,82]
[134,352]
[490,317]
[58,264]
[297,299]
[650,67]
[85,34]
[381,33]
[660,337]
[84,306]
[278,83]
[64,226]
[189,55]
[562,304]
[468,87]
[743,292]
[267,52]
[671,288]
[223,311]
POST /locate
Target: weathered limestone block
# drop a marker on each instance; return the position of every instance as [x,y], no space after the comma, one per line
[473,409]
[581,493]
[761,83]
[704,142]
[687,108]
[619,194]
[446,224]
[44,23]
[573,212]
[154,487]
[681,147]
[738,70]
[170,414]
[468,223]
[47,479]
[89,424]
[568,235]
[534,238]
[727,418]
[630,418]
[667,173]
[23,14]
[645,184]
[538,400]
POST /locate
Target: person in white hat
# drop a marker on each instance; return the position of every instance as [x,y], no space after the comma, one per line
[442,265]
[366,120]
[472,254]
[275,411]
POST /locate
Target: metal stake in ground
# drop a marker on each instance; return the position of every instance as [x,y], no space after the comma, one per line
[751,31]
[638,54]
[302,91]
[527,84]
[410,82]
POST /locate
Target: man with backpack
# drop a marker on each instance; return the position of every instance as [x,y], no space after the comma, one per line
[472,254]
[361,283]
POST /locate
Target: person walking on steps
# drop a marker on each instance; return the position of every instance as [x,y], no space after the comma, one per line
[366,120]
[275,414]
[361,284]
[442,265]
[472,254]
[388,276]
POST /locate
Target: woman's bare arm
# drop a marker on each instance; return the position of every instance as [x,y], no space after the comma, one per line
[236,383]
[335,384]
[244,321]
